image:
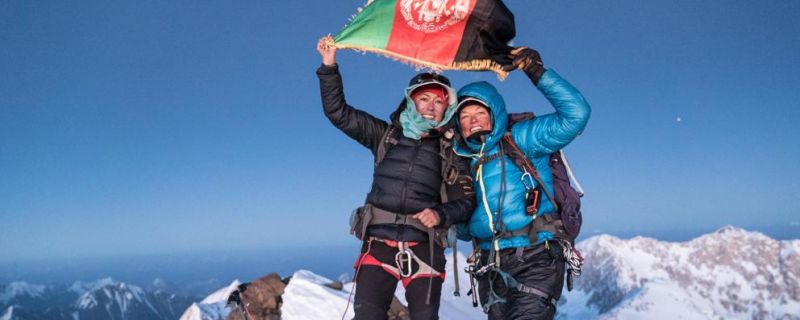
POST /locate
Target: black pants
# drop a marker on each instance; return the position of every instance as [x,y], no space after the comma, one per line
[536,267]
[375,287]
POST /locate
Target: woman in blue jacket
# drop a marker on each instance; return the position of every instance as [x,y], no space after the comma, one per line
[524,266]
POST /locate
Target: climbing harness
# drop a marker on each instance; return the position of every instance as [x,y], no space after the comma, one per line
[405,258]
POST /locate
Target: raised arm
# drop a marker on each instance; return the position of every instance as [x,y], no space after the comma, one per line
[551,132]
[358,125]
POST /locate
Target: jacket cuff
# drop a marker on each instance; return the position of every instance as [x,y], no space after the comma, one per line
[326,69]
[548,78]
[443,217]
[536,75]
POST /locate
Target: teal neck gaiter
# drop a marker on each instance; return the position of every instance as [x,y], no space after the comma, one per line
[414,124]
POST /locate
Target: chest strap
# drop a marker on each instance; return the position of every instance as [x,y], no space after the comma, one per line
[545,222]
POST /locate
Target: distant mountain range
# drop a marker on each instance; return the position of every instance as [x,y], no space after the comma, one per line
[728,274]
[102,299]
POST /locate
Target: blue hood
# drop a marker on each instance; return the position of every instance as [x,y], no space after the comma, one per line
[487,93]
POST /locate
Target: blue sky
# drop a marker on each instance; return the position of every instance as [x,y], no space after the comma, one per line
[182,126]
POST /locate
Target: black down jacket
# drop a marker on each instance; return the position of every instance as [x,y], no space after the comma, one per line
[409,178]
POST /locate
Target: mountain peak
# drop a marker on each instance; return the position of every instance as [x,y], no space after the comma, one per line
[20,288]
[101,299]
[730,229]
[729,273]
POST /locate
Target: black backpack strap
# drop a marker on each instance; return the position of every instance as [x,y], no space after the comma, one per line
[387,140]
[520,160]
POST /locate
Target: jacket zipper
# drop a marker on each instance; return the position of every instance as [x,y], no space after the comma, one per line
[405,179]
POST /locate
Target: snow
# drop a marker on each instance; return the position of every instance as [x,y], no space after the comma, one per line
[731,273]
[659,300]
[8,313]
[86,301]
[307,297]
[213,307]
[790,248]
[576,306]
[123,295]
[20,288]
[222,294]
[80,287]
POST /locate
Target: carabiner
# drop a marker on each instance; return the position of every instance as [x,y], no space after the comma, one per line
[529,185]
[403,258]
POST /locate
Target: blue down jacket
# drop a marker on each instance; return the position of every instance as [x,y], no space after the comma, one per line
[537,138]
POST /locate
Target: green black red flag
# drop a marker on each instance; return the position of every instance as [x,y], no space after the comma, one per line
[438,34]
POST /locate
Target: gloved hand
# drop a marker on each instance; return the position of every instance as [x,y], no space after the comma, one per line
[529,61]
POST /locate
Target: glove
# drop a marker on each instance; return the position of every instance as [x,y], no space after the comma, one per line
[529,61]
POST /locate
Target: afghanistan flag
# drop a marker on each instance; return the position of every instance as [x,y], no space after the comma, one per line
[437,34]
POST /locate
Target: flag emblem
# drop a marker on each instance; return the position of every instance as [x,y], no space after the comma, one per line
[433,15]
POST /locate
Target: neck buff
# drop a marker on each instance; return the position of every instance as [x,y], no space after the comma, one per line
[414,125]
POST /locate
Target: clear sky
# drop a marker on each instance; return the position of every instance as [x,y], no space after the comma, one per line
[135,127]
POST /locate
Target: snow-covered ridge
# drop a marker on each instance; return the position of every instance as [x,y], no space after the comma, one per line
[21,288]
[730,273]
[81,287]
[101,299]
[212,307]
[112,293]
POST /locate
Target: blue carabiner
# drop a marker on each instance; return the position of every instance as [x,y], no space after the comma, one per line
[529,185]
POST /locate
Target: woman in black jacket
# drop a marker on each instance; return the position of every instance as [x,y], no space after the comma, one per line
[408,187]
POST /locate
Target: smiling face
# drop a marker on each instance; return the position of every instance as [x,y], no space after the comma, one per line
[430,105]
[474,118]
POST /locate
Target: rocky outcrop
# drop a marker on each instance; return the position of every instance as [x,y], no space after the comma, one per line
[262,299]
